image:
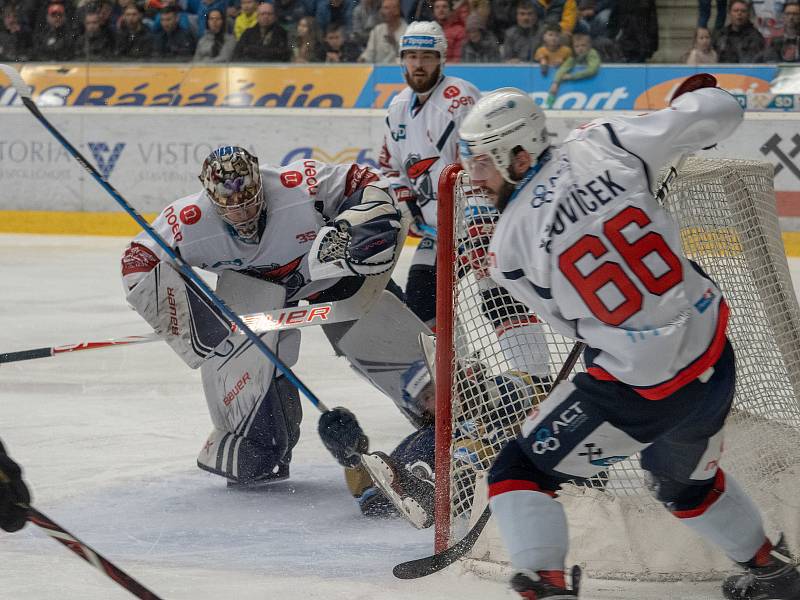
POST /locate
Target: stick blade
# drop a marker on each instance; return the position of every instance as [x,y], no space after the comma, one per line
[421,567]
[16,80]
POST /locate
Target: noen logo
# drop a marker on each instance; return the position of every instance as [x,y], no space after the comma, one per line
[291,179]
[106,158]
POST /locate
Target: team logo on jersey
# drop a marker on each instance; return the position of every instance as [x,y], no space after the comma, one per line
[190,215]
[418,171]
[451,92]
[288,275]
[705,300]
[291,179]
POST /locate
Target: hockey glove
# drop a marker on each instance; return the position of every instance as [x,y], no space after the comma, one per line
[372,229]
[343,436]
[13,494]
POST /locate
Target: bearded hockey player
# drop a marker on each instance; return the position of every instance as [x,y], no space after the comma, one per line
[275,236]
[419,142]
[583,242]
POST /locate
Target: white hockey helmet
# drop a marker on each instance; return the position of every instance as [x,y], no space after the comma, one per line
[425,35]
[499,122]
[232,181]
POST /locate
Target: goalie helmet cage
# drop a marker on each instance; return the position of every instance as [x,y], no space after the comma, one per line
[726,211]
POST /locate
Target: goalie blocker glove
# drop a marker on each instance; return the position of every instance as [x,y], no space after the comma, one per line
[14,494]
[342,436]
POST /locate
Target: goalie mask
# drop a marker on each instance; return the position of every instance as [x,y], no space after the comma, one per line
[499,123]
[232,181]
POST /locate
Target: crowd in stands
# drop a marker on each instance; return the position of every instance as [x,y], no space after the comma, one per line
[571,36]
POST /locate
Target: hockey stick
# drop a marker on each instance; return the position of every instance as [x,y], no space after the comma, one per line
[233,319]
[87,553]
[422,567]
[324,313]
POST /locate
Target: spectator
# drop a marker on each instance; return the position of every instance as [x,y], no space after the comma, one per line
[786,47]
[739,41]
[553,52]
[502,17]
[366,15]
[217,45]
[582,64]
[384,40]
[134,40]
[186,21]
[55,42]
[202,10]
[334,11]
[117,11]
[307,46]
[267,41]
[337,48]
[453,28]
[702,52]
[464,8]
[633,26]
[96,43]
[173,43]
[481,45]
[416,10]
[593,17]
[246,18]
[563,12]
[522,40]
[16,41]
[704,14]
[290,12]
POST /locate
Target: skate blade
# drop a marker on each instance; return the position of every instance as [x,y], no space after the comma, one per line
[384,479]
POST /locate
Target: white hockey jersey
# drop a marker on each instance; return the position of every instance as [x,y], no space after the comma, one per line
[300,197]
[586,246]
[421,139]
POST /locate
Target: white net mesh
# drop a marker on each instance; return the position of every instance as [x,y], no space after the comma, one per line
[726,209]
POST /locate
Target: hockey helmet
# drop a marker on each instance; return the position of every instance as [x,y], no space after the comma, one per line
[232,181]
[499,122]
[425,35]
[418,392]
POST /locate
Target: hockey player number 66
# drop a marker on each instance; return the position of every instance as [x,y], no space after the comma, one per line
[633,253]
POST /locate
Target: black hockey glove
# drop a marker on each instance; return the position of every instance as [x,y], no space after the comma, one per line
[343,436]
[13,492]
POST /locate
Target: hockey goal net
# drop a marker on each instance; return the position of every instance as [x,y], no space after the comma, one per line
[726,210]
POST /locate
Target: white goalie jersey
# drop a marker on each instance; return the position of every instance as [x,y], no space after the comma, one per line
[300,198]
[584,244]
[420,139]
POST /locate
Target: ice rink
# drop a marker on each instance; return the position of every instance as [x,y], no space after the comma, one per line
[108,440]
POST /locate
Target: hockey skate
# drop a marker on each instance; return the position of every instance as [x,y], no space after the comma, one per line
[533,587]
[412,497]
[776,578]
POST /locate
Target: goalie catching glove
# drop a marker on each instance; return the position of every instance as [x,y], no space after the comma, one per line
[342,436]
[361,241]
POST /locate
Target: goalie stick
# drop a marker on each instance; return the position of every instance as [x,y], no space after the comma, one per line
[422,567]
[324,313]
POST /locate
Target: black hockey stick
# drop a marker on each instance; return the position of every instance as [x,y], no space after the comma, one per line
[186,270]
[87,553]
[421,567]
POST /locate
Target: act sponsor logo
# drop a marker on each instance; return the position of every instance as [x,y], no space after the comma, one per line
[451,92]
[106,158]
[190,215]
[291,179]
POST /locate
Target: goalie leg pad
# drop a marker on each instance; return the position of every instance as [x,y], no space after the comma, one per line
[260,447]
[181,314]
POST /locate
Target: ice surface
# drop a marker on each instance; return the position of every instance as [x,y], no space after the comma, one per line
[108,440]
